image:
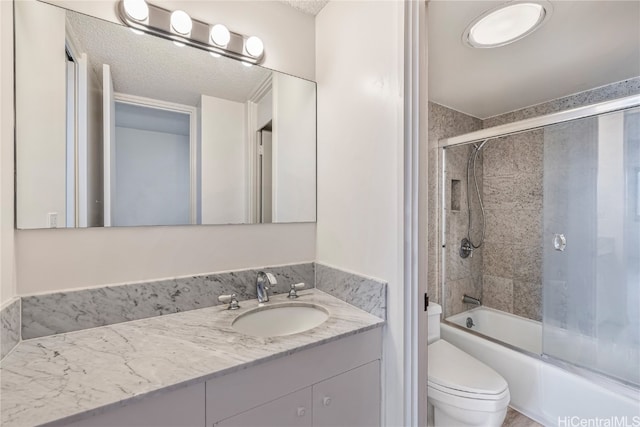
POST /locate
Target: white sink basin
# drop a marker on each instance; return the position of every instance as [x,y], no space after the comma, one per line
[280,319]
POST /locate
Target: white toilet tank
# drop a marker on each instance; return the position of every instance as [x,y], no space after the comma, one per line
[433,311]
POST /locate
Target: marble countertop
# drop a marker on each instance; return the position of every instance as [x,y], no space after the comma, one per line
[65,377]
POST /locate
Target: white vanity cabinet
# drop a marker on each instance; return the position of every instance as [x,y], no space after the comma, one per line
[333,384]
[341,378]
[350,399]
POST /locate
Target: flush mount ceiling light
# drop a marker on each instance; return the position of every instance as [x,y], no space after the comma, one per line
[136,9]
[506,24]
[254,46]
[178,27]
[220,35]
[181,22]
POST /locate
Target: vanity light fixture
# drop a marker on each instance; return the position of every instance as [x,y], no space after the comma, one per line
[506,24]
[181,29]
[254,46]
[136,9]
[220,35]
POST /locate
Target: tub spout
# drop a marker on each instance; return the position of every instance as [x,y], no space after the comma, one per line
[471,300]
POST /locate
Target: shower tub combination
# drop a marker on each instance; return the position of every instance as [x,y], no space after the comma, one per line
[582,362]
[511,345]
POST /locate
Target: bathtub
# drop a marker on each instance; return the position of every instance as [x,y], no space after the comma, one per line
[547,393]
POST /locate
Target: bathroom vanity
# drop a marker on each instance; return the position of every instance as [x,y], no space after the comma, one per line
[193,369]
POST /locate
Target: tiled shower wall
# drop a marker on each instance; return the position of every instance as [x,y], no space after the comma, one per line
[512,195]
[460,276]
[507,272]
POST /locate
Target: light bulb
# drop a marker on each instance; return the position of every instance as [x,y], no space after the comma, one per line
[220,35]
[136,9]
[181,22]
[254,46]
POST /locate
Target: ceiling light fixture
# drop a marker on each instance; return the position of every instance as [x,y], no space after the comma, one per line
[254,46]
[181,22]
[506,24]
[178,27]
[136,9]
[220,35]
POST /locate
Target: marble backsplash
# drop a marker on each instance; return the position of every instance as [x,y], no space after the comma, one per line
[61,312]
[9,327]
[71,311]
[363,292]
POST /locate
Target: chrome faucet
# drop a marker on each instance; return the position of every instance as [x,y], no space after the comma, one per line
[471,300]
[262,281]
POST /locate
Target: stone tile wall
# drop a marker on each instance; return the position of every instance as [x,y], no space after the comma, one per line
[507,271]
[444,123]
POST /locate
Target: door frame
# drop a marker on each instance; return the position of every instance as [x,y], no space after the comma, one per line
[253,140]
[141,101]
[415,212]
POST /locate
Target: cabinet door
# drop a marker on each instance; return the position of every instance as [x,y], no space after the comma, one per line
[292,410]
[179,408]
[350,399]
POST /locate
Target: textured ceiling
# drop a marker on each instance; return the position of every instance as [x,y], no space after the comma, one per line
[583,45]
[152,67]
[311,7]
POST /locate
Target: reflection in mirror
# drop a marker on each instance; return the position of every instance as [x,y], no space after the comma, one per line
[115,128]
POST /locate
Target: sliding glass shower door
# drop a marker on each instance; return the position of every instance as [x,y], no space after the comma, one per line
[591,244]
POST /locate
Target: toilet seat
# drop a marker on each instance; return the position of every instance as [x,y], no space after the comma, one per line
[454,372]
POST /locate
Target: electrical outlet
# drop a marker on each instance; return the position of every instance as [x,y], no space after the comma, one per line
[52,219]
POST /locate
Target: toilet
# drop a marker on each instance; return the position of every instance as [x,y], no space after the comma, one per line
[462,390]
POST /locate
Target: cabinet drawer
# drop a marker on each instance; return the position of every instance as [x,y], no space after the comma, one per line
[292,410]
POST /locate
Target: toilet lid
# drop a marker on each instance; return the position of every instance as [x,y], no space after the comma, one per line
[450,367]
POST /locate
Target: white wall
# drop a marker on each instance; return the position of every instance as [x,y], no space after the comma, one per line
[223,161]
[152,178]
[40,114]
[7,259]
[359,71]
[294,149]
[49,260]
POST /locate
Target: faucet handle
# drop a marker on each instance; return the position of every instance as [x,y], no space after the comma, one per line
[294,288]
[231,299]
[271,278]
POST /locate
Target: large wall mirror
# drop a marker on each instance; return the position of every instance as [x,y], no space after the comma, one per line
[115,128]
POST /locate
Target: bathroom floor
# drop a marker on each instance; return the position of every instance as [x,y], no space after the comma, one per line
[516,419]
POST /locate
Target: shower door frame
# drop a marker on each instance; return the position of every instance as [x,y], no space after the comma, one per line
[542,121]
[521,126]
